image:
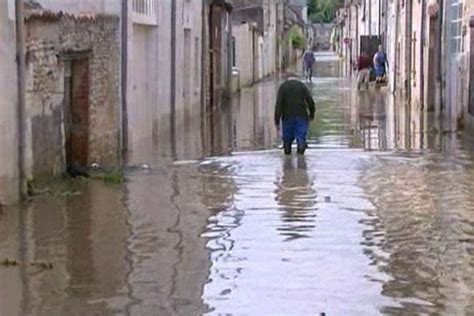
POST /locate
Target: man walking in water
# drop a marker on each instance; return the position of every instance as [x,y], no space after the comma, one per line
[294,108]
[308,64]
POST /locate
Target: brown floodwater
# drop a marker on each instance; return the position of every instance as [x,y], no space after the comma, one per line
[376,219]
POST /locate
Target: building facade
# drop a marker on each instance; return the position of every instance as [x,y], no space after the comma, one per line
[111,82]
[257,31]
[72,92]
[9,139]
[429,49]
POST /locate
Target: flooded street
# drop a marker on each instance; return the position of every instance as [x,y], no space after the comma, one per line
[376,219]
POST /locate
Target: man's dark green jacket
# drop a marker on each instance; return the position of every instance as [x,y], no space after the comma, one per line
[294,100]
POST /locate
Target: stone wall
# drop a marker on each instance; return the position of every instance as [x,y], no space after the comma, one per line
[8,109]
[81,6]
[50,39]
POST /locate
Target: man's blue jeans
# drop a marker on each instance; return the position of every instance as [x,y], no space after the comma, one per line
[295,128]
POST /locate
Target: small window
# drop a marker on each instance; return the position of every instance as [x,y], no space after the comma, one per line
[456,13]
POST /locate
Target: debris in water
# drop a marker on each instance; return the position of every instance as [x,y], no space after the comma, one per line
[15,263]
[10,262]
[34,191]
[43,265]
[185,162]
[69,193]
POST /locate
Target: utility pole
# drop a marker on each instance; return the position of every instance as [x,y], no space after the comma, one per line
[21,123]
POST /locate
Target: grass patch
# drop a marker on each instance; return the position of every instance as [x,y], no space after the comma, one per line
[114,176]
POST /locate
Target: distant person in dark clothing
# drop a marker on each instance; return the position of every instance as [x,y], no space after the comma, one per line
[363,67]
[294,108]
[308,64]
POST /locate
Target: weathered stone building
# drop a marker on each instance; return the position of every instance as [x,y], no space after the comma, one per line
[72,91]
[257,31]
[8,106]
[168,78]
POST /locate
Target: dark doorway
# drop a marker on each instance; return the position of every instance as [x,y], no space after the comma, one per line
[370,44]
[216,18]
[77,104]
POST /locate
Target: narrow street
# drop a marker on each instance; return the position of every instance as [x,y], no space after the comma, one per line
[376,218]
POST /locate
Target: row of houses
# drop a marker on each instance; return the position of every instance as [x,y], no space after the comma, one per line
[92,82]
[430,50]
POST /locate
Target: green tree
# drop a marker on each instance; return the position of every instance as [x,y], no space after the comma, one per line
[298,41]
[323,11]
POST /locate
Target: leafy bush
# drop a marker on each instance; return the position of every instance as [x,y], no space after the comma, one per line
[298,41]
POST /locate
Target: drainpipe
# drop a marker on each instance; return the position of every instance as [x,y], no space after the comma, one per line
[422,53]
[424,114]
[229,77]
[21,109]
[173,77]
[204,69]
[396,52]
[440,69]
[124,77]
[229,56]
[409,48]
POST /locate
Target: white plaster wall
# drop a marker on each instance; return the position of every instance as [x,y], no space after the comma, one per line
[375,17]
[8,108]
[243,51]
[188,76]
[142,95]
[150,65]
[270,39]
[148,83]
[188,20]
[266,55]
[392,43]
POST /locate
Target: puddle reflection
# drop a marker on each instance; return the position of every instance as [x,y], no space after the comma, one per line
[297,199]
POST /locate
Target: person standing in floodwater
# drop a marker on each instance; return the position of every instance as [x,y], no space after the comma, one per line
[363,67]
[380,65]
[308,64]
[295,108]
